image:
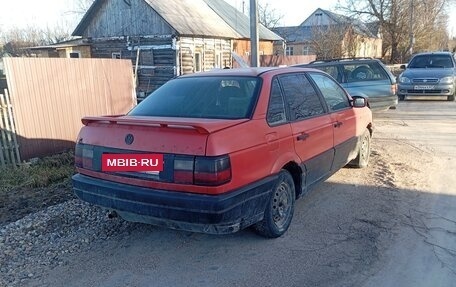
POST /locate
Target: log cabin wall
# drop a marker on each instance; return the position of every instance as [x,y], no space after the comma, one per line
[156,63]
[204,54]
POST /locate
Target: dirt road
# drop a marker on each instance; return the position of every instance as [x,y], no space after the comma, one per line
[423,134]
[392,224]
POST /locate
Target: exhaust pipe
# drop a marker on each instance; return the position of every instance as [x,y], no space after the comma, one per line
[112,214]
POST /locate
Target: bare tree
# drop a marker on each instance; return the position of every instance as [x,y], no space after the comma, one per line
[404,23]
[334,41]
[81,6]
[326,41]
[268,16]
[17,40]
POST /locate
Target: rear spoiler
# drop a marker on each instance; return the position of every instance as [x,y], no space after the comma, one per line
[201,128]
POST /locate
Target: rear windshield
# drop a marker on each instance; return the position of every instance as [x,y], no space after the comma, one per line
[202,97]
[431,61]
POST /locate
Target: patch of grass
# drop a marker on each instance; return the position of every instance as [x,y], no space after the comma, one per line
[52,171]
[35,186]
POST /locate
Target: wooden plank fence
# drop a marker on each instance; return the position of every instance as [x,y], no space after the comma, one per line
[9,149]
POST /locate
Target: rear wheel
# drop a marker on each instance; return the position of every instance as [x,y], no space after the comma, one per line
[280,208]
[451,97]
[362,160]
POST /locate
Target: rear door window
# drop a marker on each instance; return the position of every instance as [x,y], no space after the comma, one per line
[276,110]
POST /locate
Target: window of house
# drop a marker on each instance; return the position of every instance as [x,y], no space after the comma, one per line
[74,54]
[218,60]
[117,55]
[289,51]
[197,62]
[301,97]
[306,50]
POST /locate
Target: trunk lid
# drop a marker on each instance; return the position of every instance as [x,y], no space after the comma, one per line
[181,141]
[152,134]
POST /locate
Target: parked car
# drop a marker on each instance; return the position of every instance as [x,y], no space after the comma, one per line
[237,146]
[366,77]
[429,74]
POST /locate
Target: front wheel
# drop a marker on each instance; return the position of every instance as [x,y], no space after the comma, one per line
[362,160]
[280,208]
[401,97]
[451,98]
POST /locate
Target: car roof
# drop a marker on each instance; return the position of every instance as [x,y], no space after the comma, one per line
[434,53]
[246,72]
[338,61]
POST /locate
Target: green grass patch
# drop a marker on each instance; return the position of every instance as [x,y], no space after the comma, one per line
[52,171]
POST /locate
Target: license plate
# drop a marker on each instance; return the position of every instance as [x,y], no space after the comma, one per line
[423,87]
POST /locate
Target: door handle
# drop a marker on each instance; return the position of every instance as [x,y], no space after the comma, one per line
[303,137]
[338,124]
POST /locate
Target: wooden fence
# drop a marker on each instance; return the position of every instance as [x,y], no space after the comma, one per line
[49,96]
[9,149]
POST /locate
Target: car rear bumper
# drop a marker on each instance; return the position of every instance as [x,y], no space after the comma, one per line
[214,214]
[382,103]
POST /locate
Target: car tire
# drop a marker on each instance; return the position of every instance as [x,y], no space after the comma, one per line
[401,97]
[451,97]
[364,149]
[280,208]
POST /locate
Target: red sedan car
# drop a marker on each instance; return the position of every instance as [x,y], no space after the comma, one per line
[220,151]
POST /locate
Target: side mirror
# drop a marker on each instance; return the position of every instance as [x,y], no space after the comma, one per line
[403,67]
[359,102]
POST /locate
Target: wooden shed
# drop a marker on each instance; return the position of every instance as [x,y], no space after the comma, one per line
[166,38]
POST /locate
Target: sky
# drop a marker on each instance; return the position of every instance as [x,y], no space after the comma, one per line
[49,13]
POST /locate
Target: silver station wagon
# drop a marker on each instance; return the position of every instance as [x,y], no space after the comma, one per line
[364,77]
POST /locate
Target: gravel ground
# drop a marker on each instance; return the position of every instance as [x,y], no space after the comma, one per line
[41,240]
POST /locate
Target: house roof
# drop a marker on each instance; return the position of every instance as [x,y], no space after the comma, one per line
[358,26]
[239,21]
[294,34]
[63,44]
[339,19]
[194,18]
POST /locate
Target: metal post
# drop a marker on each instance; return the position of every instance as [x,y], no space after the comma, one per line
[412,36]
[254,39]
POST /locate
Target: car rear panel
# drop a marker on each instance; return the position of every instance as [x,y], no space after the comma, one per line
[137,135]
[381,94]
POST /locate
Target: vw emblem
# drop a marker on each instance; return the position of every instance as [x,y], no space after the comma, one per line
[129,139]
[424,81]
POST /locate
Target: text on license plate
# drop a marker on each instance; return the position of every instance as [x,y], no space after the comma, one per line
[423,87]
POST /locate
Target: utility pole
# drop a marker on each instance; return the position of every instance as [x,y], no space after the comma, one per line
[254,39]
[412,36]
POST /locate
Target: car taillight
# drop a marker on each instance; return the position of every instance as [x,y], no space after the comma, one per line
[394,89]
[183,169]
[83,156]
[202,170]
[212,170]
